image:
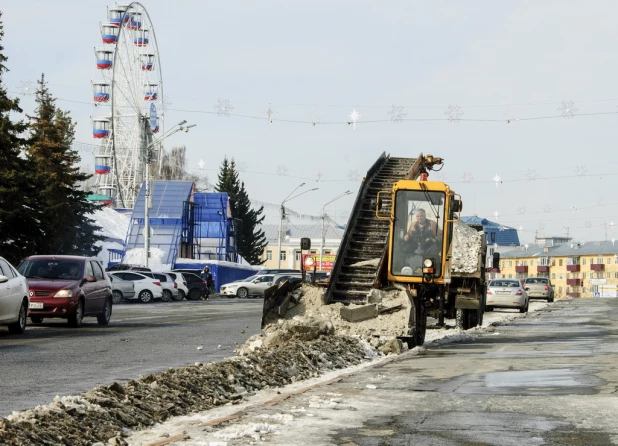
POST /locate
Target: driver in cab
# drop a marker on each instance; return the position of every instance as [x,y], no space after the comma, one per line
[422,233]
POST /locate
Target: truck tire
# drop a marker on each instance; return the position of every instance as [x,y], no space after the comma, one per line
[466,319]
[417,333]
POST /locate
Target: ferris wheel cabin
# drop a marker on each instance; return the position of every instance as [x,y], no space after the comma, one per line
[141,37]
[136,21]
[104,59]
[156,127]
[102,164]
[101,92]
[117,16]
[109,33]
[147,61]
[101,128]
[152,92]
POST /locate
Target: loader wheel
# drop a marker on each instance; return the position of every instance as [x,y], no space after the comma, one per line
[418,332]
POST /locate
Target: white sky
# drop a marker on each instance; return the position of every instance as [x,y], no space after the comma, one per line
[329,57]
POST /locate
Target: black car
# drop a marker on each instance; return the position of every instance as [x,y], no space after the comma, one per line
[196,285]
[127,267]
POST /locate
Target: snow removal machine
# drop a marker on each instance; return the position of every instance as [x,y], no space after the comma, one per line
[406,255]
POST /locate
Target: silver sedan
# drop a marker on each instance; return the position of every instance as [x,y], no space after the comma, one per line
[506,293]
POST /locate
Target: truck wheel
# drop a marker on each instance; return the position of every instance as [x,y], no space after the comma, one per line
[551,299]
[418,331]
[466,319]
[489,308]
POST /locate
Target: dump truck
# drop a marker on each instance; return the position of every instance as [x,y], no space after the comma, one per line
[406,255]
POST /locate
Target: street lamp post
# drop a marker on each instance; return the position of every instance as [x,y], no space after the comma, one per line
[323,233]
[148,154]
[282,215]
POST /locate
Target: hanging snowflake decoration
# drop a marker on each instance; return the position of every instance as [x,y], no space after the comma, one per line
[453,113]
[319,176]
[496,215]
[353,175]
[521,210]
[354,117]
[532,174]
[467,177]
[201,164]
[397,113]
[223,107]
[241,167]
[567,109]
[270,113]
[521,228]
[574,208]
[282,170]
[547,208]
[497,179]
[566,229]
[611,224]
[580,171]
[314,118]
[301,214]
[26,87]
[509,117]
[588,224]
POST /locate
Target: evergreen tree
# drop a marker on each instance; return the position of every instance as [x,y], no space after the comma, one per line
[250,239]
[18,209]
[66,222]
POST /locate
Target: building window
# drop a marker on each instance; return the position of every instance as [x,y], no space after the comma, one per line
[608,275]
[600,260]
[493,236]
[327,252]
[583,290]
[502,267]
[609,260]
[583,260]
[584,275]
[553,276]
[559,262]
[503,275]
[510,276]
[559,290]
[599,275]
[298,255]
[531,262]
[616,275]
[314,252]
[269,255]
[283,255]
[560,276]
[516,262]
[510,263]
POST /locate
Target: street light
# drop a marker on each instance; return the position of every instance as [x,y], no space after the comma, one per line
[322,239]
[148,153]
[282,214]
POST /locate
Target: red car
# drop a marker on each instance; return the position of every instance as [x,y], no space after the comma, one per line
[68,287]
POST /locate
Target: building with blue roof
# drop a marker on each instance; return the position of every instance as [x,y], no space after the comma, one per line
[496,233]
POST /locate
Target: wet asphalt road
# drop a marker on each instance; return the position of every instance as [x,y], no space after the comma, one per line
[550,378]
[52,359]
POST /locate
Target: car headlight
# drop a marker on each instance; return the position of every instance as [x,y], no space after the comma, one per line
[64,293]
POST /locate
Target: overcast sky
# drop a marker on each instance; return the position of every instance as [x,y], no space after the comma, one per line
[319,60]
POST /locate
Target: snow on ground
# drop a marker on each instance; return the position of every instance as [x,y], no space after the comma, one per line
[197,426]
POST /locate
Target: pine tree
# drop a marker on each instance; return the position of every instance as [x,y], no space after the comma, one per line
[250,239]
[18,209]
[66,221]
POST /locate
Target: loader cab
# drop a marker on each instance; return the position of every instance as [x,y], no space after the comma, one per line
[421,230]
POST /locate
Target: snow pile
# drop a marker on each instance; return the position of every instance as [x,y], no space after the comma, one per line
[135,256]
[108,414]
[308,318]
[467,243]
[113,224]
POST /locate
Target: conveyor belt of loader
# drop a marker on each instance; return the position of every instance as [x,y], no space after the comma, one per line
[366,236]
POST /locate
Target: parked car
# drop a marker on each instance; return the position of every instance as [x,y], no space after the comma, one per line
[506,293]
[68,287]
[320,276]
[539,288]
[170,288]
[127,267]
[146,288]
[121,289]
[278,279]
[181,284]
[251,286]
[14,300]
[277,271]
[196,285]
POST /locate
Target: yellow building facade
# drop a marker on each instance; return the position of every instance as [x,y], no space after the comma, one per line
[575,270]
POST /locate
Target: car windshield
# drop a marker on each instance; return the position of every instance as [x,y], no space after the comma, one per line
[504,283]
[536,281]
[52,269]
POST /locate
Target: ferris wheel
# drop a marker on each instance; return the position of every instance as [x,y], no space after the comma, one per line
[127,101]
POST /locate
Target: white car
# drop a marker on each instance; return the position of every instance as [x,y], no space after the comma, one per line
[121,289]
[251,286]
[169,285]
[14,300]
[146,288]
[181,283]
[506,293]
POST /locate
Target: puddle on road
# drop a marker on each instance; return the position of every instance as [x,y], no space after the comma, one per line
[535,378]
